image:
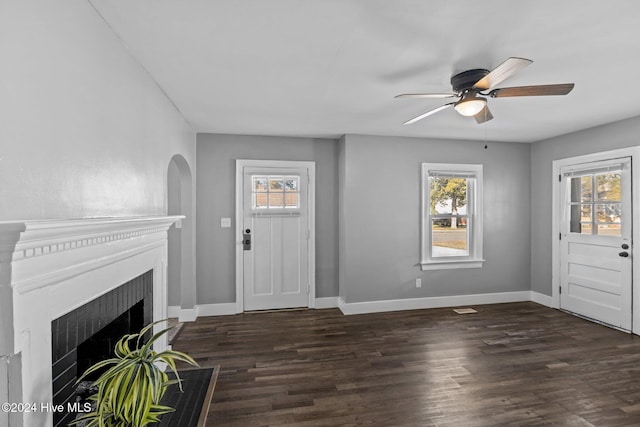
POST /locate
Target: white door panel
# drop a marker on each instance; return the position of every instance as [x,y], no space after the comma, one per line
[595,277]
[276,216]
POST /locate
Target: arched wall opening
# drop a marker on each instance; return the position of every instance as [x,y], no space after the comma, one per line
[181,252]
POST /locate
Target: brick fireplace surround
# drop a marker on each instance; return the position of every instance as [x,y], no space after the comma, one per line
[50,268]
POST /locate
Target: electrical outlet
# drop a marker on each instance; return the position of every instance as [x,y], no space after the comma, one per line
[418,283]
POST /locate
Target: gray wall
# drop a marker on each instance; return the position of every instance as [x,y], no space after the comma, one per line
[216,155]
[380,218]
[85,132]
[621,134]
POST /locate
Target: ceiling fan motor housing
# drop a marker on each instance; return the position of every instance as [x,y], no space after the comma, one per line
[466,79]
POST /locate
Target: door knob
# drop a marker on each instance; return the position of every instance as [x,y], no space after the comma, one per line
[625,246]
[624,254]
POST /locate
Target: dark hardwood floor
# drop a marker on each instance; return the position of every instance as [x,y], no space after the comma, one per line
[516,364]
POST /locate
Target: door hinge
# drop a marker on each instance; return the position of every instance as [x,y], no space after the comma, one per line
[560,290]
[559,178]
[559,236]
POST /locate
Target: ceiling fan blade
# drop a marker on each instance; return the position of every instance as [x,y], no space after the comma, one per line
[428,113]
[502,72]
[426,95]
[484,115]
[539,90]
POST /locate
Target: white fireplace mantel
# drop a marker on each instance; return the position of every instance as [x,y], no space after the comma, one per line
[49,268]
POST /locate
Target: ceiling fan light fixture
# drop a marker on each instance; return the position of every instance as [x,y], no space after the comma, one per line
[470,106]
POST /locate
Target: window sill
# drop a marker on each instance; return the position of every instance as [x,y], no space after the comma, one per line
[451,264]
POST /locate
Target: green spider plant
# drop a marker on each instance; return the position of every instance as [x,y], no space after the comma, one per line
[129,391]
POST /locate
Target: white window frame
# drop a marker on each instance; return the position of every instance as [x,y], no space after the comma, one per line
[474,212]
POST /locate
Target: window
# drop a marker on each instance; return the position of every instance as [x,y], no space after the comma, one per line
[596,202]
[451,216]
[275,192]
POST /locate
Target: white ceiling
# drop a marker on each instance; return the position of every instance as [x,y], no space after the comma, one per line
[332,67]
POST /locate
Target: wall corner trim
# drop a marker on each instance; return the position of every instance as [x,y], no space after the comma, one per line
[327,302]
[542,299]
[201,310]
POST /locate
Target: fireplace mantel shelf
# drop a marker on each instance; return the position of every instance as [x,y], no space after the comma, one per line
[36,237]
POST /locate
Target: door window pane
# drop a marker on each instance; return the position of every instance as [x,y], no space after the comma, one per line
[259,183]
[608,187]
[609,212]
[260,200]
[275,183]
[596,206]
[586,228]
[276,200]
[291,200]
[581,189]
[275,192]
[291,184]
[609,230]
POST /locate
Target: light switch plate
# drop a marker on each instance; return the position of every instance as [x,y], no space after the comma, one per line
[225,222]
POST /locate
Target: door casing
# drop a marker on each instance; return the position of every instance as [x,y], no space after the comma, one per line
[240,165]
[634,154]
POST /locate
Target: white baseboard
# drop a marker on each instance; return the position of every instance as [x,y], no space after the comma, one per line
[223,309]
[327,302]
[541,299]
[432,302]
[203,310]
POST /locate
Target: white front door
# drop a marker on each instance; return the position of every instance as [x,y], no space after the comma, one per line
[275,231]
[595,246]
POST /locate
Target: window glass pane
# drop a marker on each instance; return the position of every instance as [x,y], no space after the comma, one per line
[448,195]
[580,214]
[449,237]
[586,228]
[259,200]
[585,213]
[609,230]
[291,200]
[609,212]
[581,189]
[608,187]
[276,200]
[259,183]
[275,183]
[291,183]
[574,221]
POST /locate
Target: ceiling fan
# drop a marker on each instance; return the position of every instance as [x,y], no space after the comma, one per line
[470,87]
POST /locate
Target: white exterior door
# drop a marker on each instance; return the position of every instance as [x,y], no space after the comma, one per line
[596,236]
[275,232]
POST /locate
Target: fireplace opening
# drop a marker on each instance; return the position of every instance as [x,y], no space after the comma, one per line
[89,334]
[100,346]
